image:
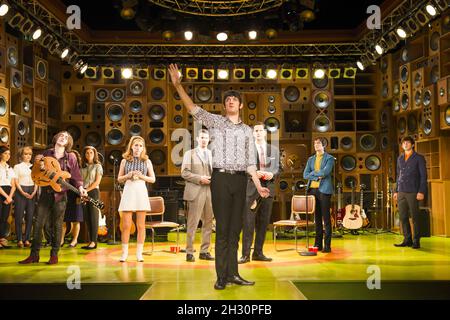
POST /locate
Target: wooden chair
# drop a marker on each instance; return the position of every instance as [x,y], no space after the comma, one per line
[298,206]
[157,220]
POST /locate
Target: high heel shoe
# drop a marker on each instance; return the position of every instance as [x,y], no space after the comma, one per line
[73,245]
[91,248]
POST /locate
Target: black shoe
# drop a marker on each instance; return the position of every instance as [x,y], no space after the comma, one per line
[206,256]
[238,280]
[90,248]
[416,245]
[190,258]
[326,250]
[403,244]
[260,257]
[220,284]
[244,259]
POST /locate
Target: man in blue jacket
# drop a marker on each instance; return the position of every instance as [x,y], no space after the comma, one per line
[318,172]
[411,188]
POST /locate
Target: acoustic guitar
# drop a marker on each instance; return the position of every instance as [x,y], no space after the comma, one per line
[352,219]
[361,204]
[46,172]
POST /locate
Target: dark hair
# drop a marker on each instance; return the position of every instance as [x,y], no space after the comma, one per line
[321,141]
[203,131]
[3,149]
[232,93]
[84,160]
[259,123]
[409,139]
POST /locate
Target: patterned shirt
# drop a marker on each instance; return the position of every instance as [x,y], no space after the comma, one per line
[232,145]
[136,165]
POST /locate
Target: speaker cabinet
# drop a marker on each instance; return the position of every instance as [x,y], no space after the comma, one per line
[369,163]
[12,51]
[386,77]
[2,60]
[321,84]
[136,88]
[443,91]
[136,120]
[157,91]
[22,103]
[250,109]
[40,92]
[39,135]
[347,163]
[40,69]
[322,112]
[206,94]
[156,131]
[86,134]
[367,142]
[115,124]
[28,76]
[158,157]
[270,106]
[21,134]
[434,35]
[401,126]
[176,113]
[4,106]
[336,142]
[445,117]
[288,186]
[432,70]
[77,107]
[296,94]
[405,87]
[430,116]
[417,88]
[385,117]
[14,79]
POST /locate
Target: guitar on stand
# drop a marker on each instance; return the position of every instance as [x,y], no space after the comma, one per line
[340,212]
[352,219]
[361,204]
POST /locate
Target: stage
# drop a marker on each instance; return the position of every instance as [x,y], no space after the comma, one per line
[346,273]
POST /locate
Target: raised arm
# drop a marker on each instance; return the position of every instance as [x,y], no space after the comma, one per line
[176,81]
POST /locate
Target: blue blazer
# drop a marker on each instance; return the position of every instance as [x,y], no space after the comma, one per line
[326,167]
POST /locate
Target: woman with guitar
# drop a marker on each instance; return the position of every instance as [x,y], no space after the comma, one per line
[53,198]
[7,189]
[92,173]
[135,170]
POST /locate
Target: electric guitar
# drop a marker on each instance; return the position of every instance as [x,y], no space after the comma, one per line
[361,204]
[352,219]
[102,229]
[46,172]
[340,211]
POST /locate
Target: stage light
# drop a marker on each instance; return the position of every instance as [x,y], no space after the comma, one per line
[271,33]
[37,34]
[334,72]
[271,73]
[223,74]
[360,65]
[349,72]
[255,73]
[84,68]
[222,36]
[401,33]
[286,72]
[208,74]
[188,35]
[379,49]
[64,53]
[168,35]
[127,73]
[431,10]
[4,8]
[192,73]
[319,73]
[239,73]
[252,35]
[127,13]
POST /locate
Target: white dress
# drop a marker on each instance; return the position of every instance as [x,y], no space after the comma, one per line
[135,194]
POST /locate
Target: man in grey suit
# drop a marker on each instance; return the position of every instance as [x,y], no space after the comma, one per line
[258,210]
[196,169]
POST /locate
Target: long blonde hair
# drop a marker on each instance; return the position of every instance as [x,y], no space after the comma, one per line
[128,154]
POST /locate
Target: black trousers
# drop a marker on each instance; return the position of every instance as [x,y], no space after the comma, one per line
[24,207]
[322,212]
[4,213]
[228,202]
[91,215]
[409,205]
[48,211]
[255,223]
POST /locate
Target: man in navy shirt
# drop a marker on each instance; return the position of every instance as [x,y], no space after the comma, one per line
[411,188]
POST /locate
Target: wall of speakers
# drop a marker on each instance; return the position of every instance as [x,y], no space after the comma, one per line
[28,76]
[157,90]
[271,111]
[250,110]
[176,113]
[430,115]
[296,94]
[418,83]
[4,106]
[386,77]
[405,87]
[12,51]
[40,69]
[337,142]
[367,142]
[158,157]
[22,103]
[443,91]
[135,116]
[157,127]
[4,135]
[115,124]
[136,88]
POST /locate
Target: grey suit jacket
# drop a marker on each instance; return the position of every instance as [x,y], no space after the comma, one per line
[192,168]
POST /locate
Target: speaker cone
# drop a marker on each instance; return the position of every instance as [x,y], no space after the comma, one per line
[75,132]
[384,118]
[114,137]
[417,79]
[385,90]
[12,56]
[4,135]
[28,75]
[405,55]
[115,156]
[405,101]
[251,105]
[291,94]
[272,124]
[348,163]
[368,142]
[3,106]
[21,127]
[412,123]
[447,116]
[156,136]
[284,185]
[404,73]
[204,94]
[178,119]
[373,163]
[157,93]
[93,139]
[41,70]
[17,79]
[26,105]
[350,181]
[346,143]
[90,72]
[101,94]
[135,106]
[321,100]
[434,74]
[418,98]
[115,112]
[322,123]
[396,105]
[156,112]
[117,94]
[384,142]
[251,117]
[320,83]
[427,98]
[271,109]
[402,125]
[427,126]
[135,130]
[136,88]
[157,157]
[396,89]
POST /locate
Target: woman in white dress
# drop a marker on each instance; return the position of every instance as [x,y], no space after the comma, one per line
[135,170]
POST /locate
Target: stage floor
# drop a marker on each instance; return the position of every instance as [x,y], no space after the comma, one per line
[167,276]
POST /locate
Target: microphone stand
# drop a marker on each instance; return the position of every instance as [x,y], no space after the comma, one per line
[307,252]
[113,240]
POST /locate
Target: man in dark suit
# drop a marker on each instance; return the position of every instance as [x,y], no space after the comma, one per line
[258,210]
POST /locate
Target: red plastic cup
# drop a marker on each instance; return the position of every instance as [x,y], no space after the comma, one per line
[174,249]
[313,249]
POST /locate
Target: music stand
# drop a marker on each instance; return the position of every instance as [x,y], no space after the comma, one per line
[115,187]
[307,252]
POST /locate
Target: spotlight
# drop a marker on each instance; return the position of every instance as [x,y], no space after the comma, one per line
[188,35]
[360,65]
[379,49]
[334,72]
[223,74]
[37,33]
[431,10]
[222,36]
[349,72]
[271,74]
[168,35]
[239,73]
[84,68]
[252,35]
[64,53]
[271,33]
[401,32]
[127,13]
[4,8]
[127,73]
[319,73]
